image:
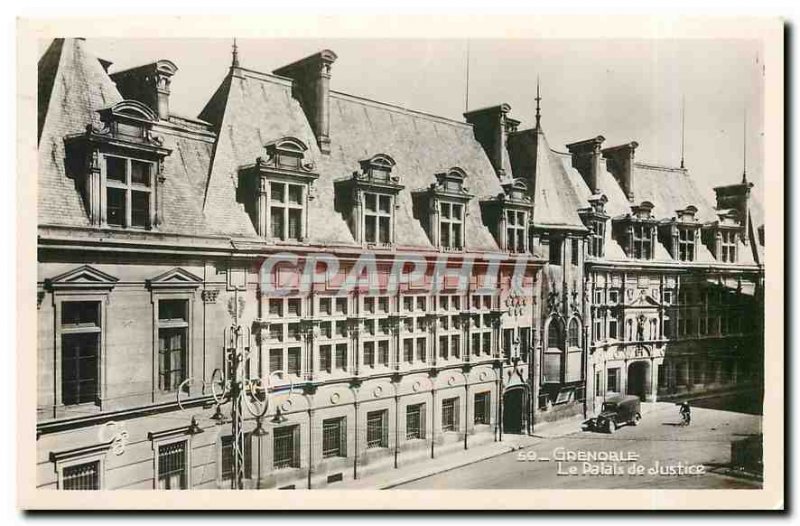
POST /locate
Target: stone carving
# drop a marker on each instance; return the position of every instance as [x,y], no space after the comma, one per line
[209,296]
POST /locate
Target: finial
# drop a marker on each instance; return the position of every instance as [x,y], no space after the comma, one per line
[538,100]
[235,62]
[744,148]
[683,129]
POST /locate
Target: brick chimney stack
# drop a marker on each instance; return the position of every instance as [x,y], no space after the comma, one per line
[148,84]
[619,161]
[492,126]
[311,78]
[586,159]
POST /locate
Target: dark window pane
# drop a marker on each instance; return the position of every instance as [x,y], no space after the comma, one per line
[294,361]
[370,202]
[83,313]
[172,358]
[276,222]
[172,310]
[227,457]
[140,173]
[385,203]
[115,206]
[140,209]
[369,229]
[295,224]
[285,448]
[115,169]
[276,192]
[333,438]
[79,367]
[295,194]
[384,230]
[377,430]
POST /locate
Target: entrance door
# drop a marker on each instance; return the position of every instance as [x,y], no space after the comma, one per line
[513,411]
[638,379]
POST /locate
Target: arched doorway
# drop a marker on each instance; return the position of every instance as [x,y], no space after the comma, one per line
[514,411]
[639,379]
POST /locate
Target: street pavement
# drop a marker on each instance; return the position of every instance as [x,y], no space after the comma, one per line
[658,444]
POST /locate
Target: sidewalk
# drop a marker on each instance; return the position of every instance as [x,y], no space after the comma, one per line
[426,468]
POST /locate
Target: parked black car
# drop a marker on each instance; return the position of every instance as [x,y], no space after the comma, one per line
[616,412]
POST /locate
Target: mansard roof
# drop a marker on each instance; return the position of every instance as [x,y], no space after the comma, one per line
[259,107]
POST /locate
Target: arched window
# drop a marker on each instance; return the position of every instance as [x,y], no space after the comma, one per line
[574,340]
[555,338]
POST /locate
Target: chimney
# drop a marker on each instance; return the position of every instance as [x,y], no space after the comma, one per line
[619,161]
[737,197]
[492,126]
[148,84]
[311,78]
[586,159]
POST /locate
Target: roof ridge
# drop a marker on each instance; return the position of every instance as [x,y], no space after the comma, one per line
[400,109]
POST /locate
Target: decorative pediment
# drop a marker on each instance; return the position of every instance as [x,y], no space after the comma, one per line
[82,278]
[644,300]
[176,278]
[644,210]
[376,171]
[687,215]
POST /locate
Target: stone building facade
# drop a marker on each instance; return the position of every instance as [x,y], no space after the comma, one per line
[157,232]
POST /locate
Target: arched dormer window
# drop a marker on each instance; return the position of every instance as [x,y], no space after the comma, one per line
[368,200]
[118,167]
[442,209]
[275,191]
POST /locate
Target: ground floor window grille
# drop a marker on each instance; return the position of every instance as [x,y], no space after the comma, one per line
[377,429]
[334,438]
[82,476]
[449,414]
[415,422]
[172,466]
[482,408]
[227,457]
[286,447]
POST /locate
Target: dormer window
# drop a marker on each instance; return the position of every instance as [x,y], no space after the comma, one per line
[509,215]
[275,191]
[368,199]
[594,217]
[638,231]
[442,209]
[680,234]
[722,236]
[118,167]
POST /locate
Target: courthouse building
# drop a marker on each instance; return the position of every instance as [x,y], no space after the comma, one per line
[153,228]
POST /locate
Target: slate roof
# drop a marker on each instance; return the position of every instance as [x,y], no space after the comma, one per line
[259,108]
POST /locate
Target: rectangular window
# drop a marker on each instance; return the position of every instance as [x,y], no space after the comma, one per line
[421,353]
[449,414]
[341,356]
[377,218]
[286,447]
[642,241]
[575,251]
[369,354]
[128,192]
[483,408]
[173,329]
[728,246]
[516,224]
[294,360]
[612,328]
[325,358]
[275,360]
[415,422]
[597,228]
[554,251]
[286,211]
[226,467]
[80,351]
[612,380]
[82,476]
[334,438]
[451,225]
[443,347]
[508,343]
[325,306]
[686,237]
[377,429]
[408,350]
[172,466]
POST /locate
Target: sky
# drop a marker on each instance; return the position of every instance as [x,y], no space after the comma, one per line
[622,89]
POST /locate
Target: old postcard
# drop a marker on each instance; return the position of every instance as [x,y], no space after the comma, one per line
[401,265]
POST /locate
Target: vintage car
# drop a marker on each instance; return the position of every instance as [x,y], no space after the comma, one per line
[616,412]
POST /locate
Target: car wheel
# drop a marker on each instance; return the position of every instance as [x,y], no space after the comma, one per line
[636,419]
[610,427]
